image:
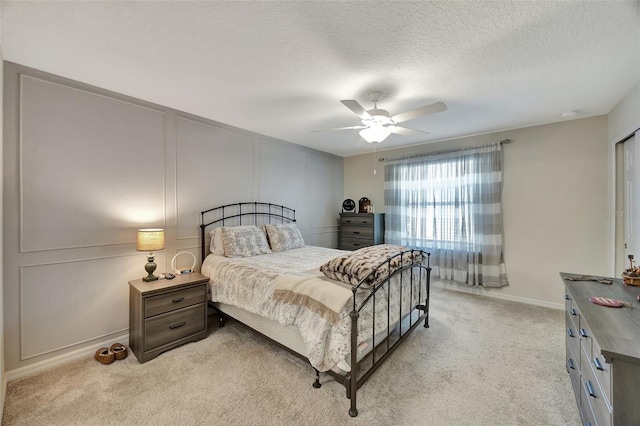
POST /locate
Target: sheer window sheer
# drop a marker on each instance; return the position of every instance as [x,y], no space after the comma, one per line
[451,205]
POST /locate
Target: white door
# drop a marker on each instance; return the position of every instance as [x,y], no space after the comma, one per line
[631,210]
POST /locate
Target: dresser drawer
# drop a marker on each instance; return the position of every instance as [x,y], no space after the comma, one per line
[360,220]
[156,305]
[573,314]
[173,326]
[593,396]
[357,232]
[574,373]
[601,371]
[354,243]
[573,342]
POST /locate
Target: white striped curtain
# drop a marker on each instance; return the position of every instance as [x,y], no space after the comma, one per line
[451,205]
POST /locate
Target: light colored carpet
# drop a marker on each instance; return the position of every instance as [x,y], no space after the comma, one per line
[482,362]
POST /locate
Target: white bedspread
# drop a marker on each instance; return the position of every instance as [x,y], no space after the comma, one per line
[249,283]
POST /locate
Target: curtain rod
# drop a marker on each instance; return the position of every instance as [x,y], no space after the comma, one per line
[381,159]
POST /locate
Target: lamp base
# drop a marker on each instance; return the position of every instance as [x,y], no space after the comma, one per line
[150,267]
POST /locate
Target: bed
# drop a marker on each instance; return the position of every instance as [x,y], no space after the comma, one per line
[344,312]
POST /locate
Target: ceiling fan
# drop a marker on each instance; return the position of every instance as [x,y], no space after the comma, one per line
[377,124]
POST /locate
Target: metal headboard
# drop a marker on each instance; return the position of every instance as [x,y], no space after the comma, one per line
[250,211]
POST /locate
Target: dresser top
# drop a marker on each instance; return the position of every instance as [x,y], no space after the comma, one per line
[617,330]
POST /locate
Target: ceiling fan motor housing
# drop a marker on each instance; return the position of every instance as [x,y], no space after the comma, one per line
[378,116]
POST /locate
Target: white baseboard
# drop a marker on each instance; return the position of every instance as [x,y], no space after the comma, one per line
[496,294]
[47,364]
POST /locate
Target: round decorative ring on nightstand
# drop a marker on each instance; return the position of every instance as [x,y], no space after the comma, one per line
[348,205]
[184,270]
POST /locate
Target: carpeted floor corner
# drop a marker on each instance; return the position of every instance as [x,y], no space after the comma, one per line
[482,362]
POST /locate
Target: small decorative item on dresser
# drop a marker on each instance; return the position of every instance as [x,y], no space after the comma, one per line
[631,275]
[363,203]
[348,205]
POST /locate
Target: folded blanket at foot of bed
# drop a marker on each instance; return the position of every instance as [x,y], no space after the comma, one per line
[317,293]
[371,264]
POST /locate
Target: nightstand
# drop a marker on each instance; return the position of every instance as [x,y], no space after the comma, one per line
[164,314]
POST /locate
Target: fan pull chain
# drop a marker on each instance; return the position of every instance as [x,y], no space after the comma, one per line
[374,158]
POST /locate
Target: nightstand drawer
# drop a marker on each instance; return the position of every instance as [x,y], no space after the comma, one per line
[156,305]
[170,327]
[357,232]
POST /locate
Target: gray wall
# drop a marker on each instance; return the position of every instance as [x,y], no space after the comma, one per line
[85,168]
[555,199]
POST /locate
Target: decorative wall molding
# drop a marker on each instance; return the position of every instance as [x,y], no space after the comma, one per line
[21,284]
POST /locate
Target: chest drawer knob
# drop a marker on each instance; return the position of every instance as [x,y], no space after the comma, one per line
[178,325]
[177,300]
[598,364]
[566,297]
[573,312]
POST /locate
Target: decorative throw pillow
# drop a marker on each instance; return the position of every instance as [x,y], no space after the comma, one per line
[244,241]
[216,246]
[284,236]
[370,264]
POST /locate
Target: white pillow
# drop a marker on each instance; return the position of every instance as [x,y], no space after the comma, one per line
[244,241]
[216,246]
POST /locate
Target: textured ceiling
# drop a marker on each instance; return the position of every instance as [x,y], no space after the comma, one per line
[281,68]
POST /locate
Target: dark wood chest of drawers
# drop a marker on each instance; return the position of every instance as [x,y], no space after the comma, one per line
[164,314]
[603,352]
[359,230]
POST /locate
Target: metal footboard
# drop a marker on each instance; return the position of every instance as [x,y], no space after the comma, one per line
[419,276]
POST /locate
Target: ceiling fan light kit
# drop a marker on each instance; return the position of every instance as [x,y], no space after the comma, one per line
[377,124]
[375,134]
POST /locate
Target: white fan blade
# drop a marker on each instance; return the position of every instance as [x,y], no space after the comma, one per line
[420,112]
[356,108]
[340,128]
[405,131]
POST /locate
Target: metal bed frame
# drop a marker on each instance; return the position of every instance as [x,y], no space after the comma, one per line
[361,370]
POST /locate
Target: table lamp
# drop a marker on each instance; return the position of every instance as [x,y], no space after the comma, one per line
[150,240]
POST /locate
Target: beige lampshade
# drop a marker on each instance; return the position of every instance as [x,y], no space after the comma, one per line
[150,240]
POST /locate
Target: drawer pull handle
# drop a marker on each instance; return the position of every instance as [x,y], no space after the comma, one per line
[177,300]
[180,324]
[566,297]
[583,332]
[598,364]
[570,363]
[365,221]
[590,389]
[570,332]
[573,312]
[356,232]
[356,244]
[348,221]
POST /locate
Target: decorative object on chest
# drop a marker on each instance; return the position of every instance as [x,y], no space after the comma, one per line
[359,230]
[348,205]
[164,314]
[631,275]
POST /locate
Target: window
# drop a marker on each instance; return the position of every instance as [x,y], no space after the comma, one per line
[450,204]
